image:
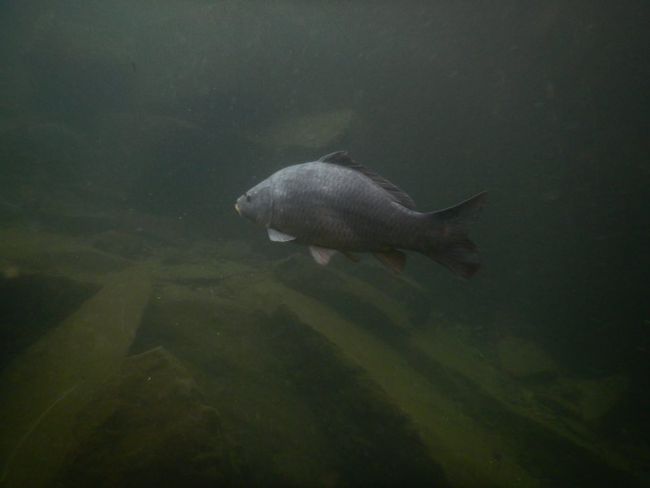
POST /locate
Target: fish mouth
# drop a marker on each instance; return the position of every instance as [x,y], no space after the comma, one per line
[237,209]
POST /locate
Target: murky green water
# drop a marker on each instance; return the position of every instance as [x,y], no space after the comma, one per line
[151,337]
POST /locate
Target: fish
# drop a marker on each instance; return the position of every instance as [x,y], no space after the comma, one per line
[336,205]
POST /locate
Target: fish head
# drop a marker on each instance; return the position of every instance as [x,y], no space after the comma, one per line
[256,204]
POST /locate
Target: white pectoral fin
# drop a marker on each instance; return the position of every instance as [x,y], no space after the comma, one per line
[321,255]
[277,236]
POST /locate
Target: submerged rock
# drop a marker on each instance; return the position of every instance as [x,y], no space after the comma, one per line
[31,251]
[586,399]
[150,427]
[31,305]
[523,359]
[124,244]
[321,379]
[303,414]
[42,390]
[310,131]
[539,423]
[368,295]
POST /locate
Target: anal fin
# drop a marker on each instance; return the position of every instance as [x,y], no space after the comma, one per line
[321,255]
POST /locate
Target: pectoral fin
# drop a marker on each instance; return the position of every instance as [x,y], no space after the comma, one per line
[277,236]
[394,260]
[321,255]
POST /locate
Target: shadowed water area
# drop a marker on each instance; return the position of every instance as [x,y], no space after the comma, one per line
[150,336]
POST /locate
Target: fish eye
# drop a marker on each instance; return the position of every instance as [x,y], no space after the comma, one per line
[248,197]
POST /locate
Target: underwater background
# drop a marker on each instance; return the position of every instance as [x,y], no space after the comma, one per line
[151,337]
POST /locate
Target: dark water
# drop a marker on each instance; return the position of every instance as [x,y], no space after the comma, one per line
[151,337]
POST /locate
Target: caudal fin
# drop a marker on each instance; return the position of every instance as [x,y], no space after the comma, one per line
[450,245]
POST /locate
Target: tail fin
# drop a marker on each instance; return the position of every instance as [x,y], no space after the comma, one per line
[450,245]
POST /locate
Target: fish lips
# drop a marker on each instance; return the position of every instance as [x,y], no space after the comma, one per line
[239,205]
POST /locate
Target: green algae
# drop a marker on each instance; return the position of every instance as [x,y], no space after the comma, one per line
[55,375]
[291,365]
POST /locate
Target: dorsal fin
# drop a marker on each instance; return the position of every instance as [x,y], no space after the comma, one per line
[342,158]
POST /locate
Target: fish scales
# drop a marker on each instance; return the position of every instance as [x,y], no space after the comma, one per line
[335,204]
[339,208]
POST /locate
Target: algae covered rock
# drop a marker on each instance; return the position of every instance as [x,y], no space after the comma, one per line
[124,244]
[42,390]
[310,131]
[303,414]
[31,305]
[366,294]
[523,359]
[29,251]
[586,399]
[150,427]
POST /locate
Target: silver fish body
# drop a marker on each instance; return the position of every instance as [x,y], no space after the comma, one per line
[335,204]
